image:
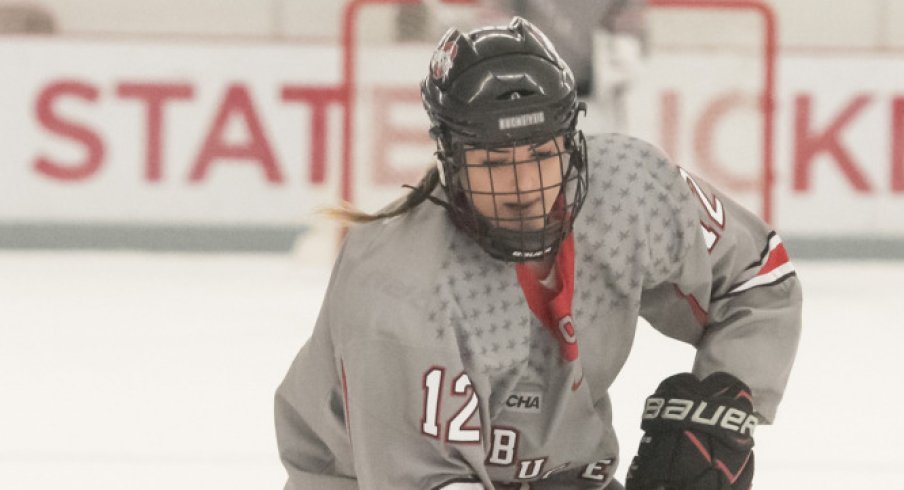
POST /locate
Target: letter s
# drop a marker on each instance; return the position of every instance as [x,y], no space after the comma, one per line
[48,118]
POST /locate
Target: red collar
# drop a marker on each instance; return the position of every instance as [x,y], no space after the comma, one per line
[553,308]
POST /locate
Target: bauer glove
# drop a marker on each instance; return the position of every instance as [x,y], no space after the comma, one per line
[698,435]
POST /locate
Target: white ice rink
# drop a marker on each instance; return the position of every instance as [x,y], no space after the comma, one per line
[154,371]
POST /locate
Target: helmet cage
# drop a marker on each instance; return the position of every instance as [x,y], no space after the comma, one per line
[498,89]
[516,236]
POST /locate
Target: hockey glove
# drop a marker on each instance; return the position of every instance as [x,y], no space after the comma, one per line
[698,435]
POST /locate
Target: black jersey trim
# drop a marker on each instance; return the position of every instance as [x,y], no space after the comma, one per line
[763,254]
[773,283]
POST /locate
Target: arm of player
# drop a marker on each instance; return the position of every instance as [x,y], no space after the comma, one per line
[309,414]
[401,431]
[733,294]
[310,429]
[414,416]
[360,409]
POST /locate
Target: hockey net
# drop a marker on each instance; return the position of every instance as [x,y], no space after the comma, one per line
[704,93]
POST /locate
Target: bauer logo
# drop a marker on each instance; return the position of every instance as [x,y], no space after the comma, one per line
[521,121]
[679,409]
[524,402]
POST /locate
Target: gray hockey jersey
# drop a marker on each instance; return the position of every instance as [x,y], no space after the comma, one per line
[428,366]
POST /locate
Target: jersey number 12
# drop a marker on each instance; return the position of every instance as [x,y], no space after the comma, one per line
[456,430]
[714,209]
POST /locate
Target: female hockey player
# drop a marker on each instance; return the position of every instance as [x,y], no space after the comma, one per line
[471,331]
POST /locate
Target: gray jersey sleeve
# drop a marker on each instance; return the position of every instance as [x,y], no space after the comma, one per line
[413,415]
[733,292]
[376,399]
[310,414]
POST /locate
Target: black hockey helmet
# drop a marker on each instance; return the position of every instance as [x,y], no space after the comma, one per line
[500,88]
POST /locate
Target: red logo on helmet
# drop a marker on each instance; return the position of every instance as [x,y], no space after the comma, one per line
[442,60]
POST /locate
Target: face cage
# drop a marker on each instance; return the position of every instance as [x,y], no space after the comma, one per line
[511,229]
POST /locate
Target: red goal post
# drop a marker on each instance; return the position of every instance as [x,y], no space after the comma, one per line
[766,96]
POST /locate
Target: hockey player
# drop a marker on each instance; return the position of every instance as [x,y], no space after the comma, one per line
[470,332]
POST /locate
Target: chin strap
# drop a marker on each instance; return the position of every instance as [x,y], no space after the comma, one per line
[429,197]
[483,233]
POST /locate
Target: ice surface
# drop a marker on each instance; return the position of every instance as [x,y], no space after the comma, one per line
[153,371]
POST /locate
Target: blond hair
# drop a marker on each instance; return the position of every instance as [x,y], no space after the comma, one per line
[420,193]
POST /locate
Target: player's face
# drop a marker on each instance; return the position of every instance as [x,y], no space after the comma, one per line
[516,187]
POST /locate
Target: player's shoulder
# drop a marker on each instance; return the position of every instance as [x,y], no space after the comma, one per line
[386,273]
[639,195]
[623,166]
[616,150]
[406,247]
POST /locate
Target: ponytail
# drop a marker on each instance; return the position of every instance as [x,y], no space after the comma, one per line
[348,215]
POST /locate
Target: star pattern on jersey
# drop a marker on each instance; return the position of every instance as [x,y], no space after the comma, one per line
[485,309]
[630,233]
[642,203]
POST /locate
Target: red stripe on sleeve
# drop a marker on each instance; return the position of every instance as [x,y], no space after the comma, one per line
[348,425]
[777,257]
[699,313]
